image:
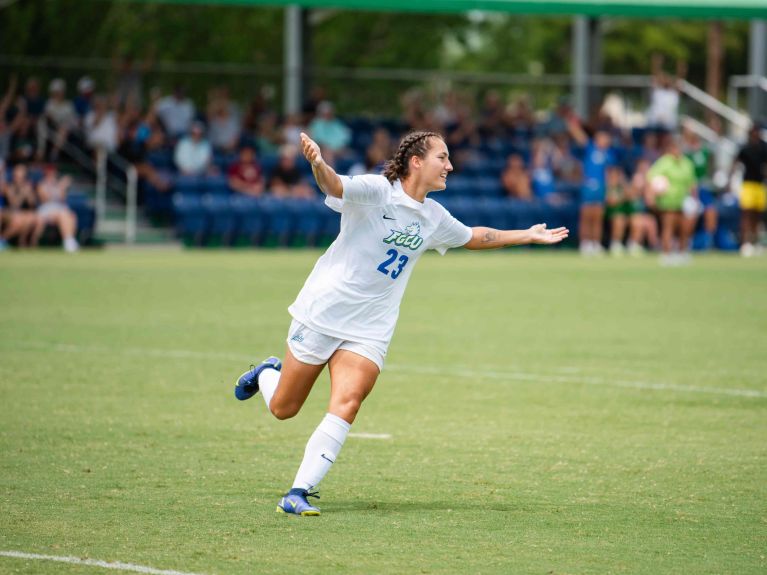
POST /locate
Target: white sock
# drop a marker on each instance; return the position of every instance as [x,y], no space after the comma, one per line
[267,384]
[321,451]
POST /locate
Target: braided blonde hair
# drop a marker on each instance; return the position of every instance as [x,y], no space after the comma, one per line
[413,144]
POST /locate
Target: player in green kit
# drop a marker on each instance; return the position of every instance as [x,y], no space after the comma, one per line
[701,158]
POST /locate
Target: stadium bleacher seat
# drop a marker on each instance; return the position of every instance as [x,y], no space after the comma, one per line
[190,218]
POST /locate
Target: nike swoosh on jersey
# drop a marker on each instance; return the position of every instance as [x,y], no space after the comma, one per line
[388,218]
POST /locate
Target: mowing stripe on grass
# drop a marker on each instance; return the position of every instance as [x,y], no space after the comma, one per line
[570,375]
[94,563]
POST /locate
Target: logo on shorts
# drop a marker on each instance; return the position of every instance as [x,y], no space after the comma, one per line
[298,337]
[410,238]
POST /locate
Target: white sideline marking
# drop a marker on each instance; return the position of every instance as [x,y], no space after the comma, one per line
[94,563]
[370,435]
[569,375]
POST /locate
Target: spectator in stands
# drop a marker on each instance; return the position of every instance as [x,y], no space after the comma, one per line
[23,140]
[317,95]
[541,174]
[58,119]
[194,155]
[7,121]
[567,168]
[268,137]
[446,113]
[53,209]
[19,216]
[223,120]
[619,207]
[492,117]
[84,98]
[520,119]
[129,78]
[597,157]
[286,180]
[672,181]
[643,227]
[663,112]
[382,140]
[245,175]
[134,147]
[753,196]
[724,151]
[101,129]
[176,112]
[32,102]
[701,159]
[258,107]
[560,118]
[375,157]
[414,115]
[328,131]
[462,134]
[651,149]
[291,130]
[516,180]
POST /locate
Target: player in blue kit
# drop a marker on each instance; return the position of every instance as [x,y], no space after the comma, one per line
[345,315]
[597,157]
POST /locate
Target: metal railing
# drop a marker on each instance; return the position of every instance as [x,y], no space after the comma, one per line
[742,82]
[104,160]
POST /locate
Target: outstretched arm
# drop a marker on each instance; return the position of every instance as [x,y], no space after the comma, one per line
[488,238]
[326,177]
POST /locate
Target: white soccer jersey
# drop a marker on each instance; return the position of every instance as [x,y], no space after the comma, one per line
[355,289]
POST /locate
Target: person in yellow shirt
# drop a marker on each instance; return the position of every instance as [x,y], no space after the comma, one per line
[753,196]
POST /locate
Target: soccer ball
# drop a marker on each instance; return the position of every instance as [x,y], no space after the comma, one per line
[659,184]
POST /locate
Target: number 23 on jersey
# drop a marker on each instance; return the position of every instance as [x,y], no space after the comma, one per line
[398,261]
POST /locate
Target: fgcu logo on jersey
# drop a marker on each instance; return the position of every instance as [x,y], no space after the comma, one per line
[408,239]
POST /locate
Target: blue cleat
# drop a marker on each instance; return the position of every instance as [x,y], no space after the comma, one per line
[294,502]
[247,384]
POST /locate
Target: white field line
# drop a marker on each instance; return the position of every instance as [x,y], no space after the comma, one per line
[582,379]
[94,563]
[370,435]
[569,374]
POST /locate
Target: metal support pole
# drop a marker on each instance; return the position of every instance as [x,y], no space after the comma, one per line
[131,199]
[757,67]
[101,186]
[580,65]
[293,64]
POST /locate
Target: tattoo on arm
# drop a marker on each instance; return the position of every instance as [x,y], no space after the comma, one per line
[489,237]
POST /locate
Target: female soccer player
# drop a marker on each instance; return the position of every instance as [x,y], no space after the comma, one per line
[346,312]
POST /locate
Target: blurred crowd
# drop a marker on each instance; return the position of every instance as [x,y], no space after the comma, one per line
[637,189]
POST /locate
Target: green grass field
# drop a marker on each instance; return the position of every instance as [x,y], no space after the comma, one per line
[548,415]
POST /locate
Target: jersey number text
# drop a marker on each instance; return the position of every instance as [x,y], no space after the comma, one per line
[384,267]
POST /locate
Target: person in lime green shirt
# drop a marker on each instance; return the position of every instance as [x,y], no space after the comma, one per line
[672,179]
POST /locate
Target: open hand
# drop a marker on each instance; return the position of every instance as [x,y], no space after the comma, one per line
[310,150]
[540,235]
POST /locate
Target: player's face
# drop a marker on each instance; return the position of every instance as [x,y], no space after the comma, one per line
[436,165]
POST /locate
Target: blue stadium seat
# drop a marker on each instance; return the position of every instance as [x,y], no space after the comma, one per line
[307,221]
[190,218]
[161,159]
[80,204]
[489,186]
[221,219]
[188,184]
[250,220]
[268,163]
[215,184]
[278,219]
